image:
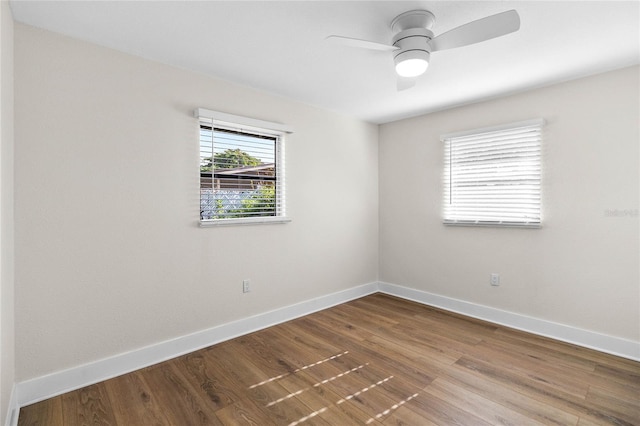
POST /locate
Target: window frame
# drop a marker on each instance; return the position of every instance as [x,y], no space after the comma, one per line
[449,214]
[235,123]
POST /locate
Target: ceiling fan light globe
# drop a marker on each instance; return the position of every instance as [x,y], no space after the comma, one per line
[412,62]
[411,67]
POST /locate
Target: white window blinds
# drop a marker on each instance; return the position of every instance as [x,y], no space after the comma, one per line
[242,178]
[492,177]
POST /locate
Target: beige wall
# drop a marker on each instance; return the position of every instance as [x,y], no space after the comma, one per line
[7,335]
[582,268]
[109,257]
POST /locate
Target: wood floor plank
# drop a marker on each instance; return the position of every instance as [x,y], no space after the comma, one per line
[292,411]
[375,360]
[486,409]
[413,369]
[88,406]
[443,412]
[322,400]
[295,334]
[448,342]
[421,357]
[510,397]
[176,397]
[367,351]
[366,319]
[572,351]
[436,316]
[542,352]
[404,416]
[297,350]
[370,398]
[217,390]
[346,414]
[544,393]
[327,320]
[244,412]
[622,375]
[264,361]
[340,336]
[624,408]
[45,413]
[560,377]
[399,388]
[133,401]
[307,389]
[237,368]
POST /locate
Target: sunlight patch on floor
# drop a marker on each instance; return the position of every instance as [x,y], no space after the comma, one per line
[264,382]
[337,376]
[390,409]
[363,390]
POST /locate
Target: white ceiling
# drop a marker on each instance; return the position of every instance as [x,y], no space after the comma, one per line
[279,47]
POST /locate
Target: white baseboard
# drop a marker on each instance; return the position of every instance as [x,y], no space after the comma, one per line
[13,409]
[589,339]
[41,388]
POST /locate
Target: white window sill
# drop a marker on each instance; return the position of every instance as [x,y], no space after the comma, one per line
[496,224]
[244,221]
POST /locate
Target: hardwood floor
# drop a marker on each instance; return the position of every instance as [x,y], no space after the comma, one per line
[376,360]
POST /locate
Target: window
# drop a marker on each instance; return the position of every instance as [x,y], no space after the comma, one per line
[242,178]
[492,176]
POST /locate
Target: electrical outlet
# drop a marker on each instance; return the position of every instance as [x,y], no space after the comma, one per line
[495,279]
[246,286]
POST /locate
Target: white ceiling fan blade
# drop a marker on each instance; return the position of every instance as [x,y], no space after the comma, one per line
[477,31]
[356,42]
[404,83]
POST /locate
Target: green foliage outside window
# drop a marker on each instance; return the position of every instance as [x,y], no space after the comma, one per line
[229,159]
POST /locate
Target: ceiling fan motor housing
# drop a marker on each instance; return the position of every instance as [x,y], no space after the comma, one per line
[413,45]
[413,39]
[413,36]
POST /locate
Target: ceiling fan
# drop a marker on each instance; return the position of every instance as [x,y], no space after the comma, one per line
[414,41]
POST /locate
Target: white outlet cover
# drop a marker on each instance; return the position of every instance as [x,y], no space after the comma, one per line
[495,279]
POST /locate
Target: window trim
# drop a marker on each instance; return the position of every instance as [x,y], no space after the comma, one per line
[534,123]
[240,123]
[249,125]
[526,123]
